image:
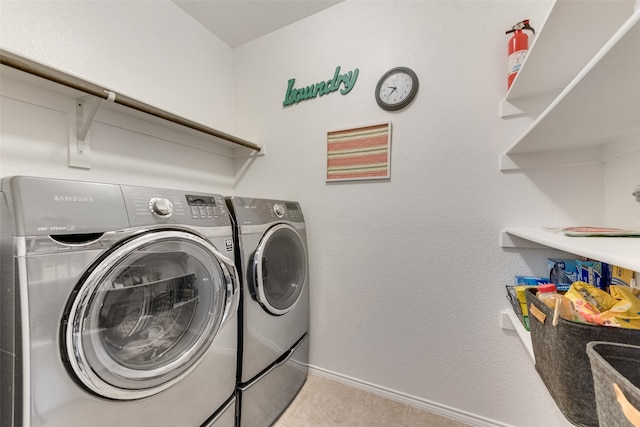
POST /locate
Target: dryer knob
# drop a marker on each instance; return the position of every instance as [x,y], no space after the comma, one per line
[278,210]
[161,207]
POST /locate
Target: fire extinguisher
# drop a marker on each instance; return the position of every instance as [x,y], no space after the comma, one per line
[518,48]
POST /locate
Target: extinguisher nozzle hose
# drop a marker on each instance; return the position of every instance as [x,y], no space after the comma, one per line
[529,27]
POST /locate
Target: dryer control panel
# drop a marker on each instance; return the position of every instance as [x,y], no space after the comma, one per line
[264,211]
[277,209]
[290,210]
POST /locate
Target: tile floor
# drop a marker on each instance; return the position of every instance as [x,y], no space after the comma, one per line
[327,403]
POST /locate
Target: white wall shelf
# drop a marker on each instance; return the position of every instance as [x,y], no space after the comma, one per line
[572,34]
[38,75]
[620,251]
[509,321]
[596,109]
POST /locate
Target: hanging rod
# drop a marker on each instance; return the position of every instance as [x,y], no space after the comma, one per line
[37,69]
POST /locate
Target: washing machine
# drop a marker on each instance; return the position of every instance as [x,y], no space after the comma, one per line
[119,306]
[272,260]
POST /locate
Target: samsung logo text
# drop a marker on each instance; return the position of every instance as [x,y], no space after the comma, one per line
[73,199]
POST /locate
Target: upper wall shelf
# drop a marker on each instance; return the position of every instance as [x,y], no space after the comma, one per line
[598,109]
[75,87]
[572,34]
[621,251]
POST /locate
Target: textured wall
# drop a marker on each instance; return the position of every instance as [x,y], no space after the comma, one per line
[622,177]
[151,51]
[407,274]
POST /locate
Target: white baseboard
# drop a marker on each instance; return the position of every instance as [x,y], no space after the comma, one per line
[436,408]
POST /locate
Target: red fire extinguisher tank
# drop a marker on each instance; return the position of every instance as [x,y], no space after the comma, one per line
[518,48]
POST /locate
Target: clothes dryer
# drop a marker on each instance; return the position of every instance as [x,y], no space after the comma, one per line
[271,256]
[119,306]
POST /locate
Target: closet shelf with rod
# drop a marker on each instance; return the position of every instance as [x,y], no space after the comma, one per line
[91,96]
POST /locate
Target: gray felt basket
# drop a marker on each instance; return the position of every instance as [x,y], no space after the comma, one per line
[562,361]
[616,366]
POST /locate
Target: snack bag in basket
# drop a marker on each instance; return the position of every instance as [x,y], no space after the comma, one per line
[621,308]
[589,301]
[626,311]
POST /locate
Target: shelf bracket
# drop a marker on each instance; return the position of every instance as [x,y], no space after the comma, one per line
[529,106]
[508,240]
[253,154]
[80,146]
[550,159]
[247,161]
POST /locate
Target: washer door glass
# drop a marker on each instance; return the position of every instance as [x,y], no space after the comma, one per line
[280,269]
[146,313]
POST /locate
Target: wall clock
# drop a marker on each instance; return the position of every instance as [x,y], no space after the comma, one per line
[396,88]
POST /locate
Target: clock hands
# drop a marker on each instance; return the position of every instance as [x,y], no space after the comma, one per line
[393,88]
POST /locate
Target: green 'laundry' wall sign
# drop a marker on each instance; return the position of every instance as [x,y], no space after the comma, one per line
[346,81]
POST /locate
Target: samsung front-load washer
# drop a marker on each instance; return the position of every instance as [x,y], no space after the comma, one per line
[271,256]
[118,306]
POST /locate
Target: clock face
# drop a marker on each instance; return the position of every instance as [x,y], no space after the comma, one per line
[397,88]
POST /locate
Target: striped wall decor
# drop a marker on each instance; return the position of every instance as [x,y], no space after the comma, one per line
[359,153]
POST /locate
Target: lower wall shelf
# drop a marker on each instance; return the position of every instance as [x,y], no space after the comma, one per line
[510,321]
[621,251]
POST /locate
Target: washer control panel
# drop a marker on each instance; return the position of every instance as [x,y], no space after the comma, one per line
[202,206]
[148,206]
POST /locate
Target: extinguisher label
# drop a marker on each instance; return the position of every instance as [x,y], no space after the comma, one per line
[515,61]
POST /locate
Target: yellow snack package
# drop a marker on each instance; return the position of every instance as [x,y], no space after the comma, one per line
[589,302]
[626,311]
[620,308]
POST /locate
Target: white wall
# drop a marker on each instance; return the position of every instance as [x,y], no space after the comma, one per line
[407,275]
[151,51]
[621,178]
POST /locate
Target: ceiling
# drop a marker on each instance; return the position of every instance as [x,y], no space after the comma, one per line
[236,22]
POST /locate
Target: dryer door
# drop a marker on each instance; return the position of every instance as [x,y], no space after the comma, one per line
[146,312]
[279,269]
